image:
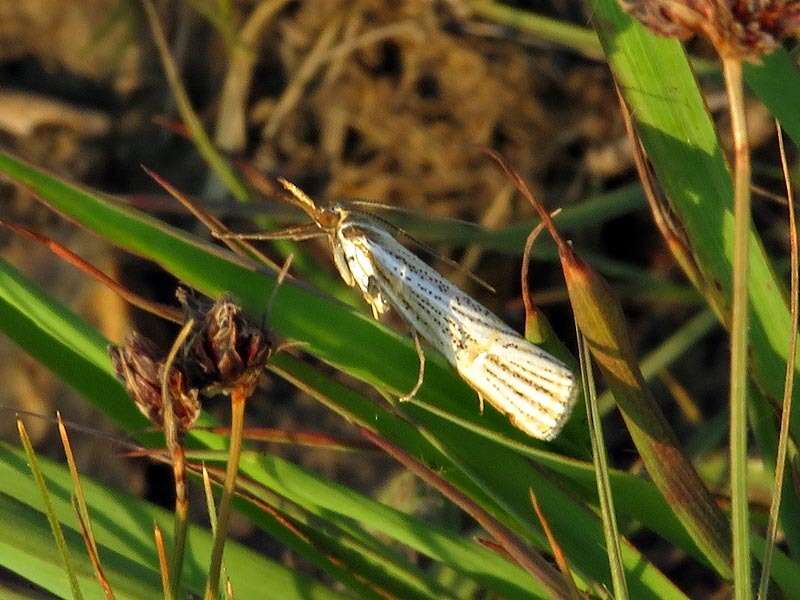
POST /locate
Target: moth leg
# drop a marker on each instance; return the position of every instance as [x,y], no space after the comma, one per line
[420,375]
[297,233]
[480,401]
[375,312]
[373,296]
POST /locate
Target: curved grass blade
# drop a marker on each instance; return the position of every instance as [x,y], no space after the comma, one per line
[82,512]
[55,526]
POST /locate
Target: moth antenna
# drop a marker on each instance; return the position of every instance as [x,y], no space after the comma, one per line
[367,204]
[300,198]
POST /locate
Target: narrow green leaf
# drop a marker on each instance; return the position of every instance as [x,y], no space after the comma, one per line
[55,526]
[123,526]
[600,460]
[26,548]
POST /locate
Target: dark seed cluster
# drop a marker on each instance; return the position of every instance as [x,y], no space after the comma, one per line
[745,29]
[139,364]
[225,351]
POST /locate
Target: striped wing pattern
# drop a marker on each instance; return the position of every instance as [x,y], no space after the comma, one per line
[534,389]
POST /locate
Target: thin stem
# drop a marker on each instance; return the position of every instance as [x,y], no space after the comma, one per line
[178,461]
[732,68]
[181,515]
[199,136]
[223,515]
[82,512]
[608,513]
[52,518]
[580,39]
[783,440]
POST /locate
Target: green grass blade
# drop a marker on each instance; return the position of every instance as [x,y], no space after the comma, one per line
[593,211]
[55,526]
[26,548]
[578,38]
[123,526]
[776,82]
[201,139]
[682,145]
[600,460]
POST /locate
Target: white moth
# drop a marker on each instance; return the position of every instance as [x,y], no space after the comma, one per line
[534,389]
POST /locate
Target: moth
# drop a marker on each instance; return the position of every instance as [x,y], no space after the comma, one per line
[533,388]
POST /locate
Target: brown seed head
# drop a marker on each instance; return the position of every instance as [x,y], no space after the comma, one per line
[227,351]
[745,29]
[139,367]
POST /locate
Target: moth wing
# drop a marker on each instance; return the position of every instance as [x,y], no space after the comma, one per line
[354,262]
[340,260]
[534,389]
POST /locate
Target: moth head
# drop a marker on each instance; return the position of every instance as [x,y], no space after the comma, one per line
[330,217]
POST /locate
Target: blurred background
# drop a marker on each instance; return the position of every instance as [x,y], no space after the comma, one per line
[380,101]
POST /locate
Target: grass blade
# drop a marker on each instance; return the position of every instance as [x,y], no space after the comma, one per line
[163,562]
[783,441]
[55,526]
[601,471]
[83,512]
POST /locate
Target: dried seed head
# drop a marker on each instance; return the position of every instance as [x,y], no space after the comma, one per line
[227,351]
[139,367]
[745,29]
[670,18]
